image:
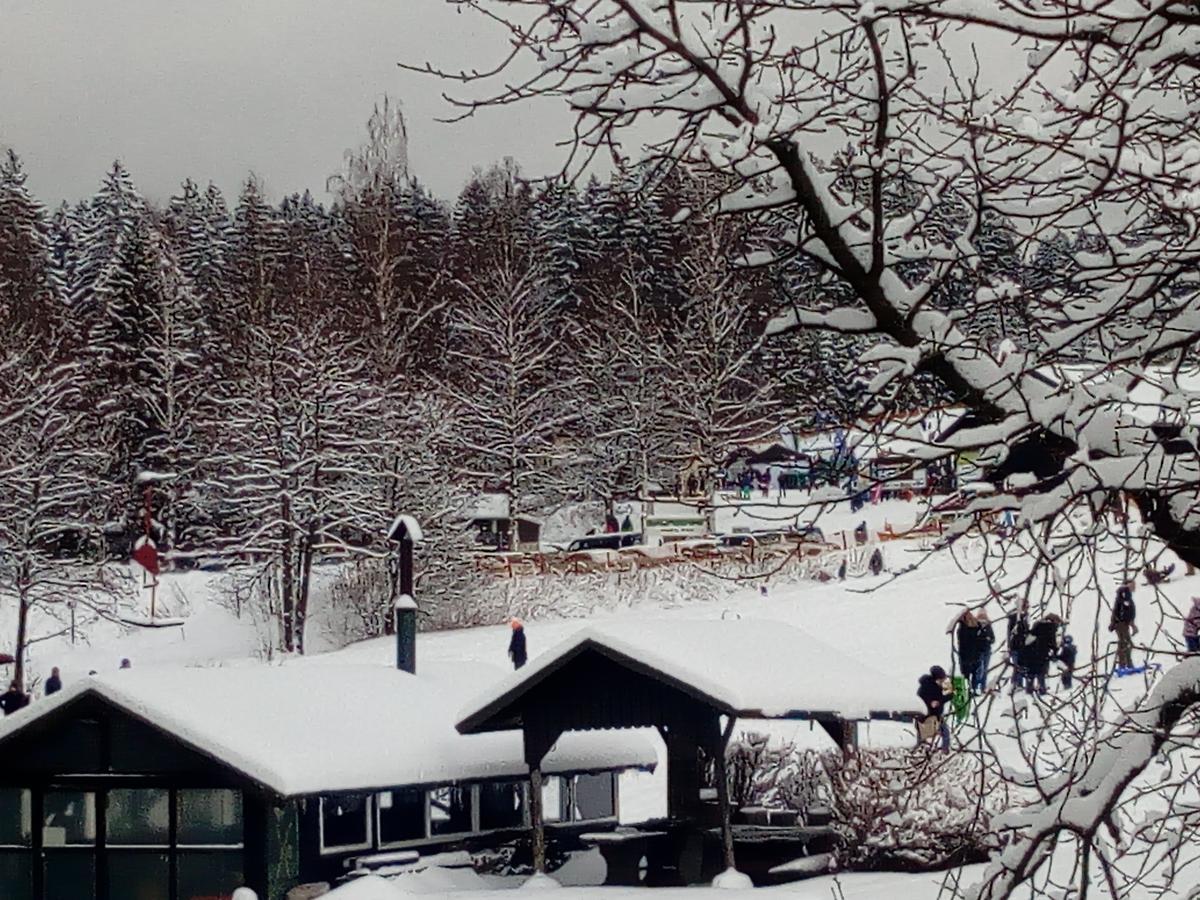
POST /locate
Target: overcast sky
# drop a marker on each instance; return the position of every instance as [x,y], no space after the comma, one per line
[214,89]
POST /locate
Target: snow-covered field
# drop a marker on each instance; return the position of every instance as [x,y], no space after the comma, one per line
[897,625]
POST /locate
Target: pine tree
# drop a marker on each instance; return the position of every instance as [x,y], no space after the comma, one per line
[31,287]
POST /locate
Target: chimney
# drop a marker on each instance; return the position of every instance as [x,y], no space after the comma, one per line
[405,531]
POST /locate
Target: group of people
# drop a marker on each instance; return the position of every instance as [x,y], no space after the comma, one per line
[1032,647]
[14,698]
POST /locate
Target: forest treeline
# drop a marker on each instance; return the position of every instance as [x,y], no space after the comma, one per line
[283,377]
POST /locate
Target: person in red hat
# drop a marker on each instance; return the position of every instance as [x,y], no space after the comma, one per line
[516,647]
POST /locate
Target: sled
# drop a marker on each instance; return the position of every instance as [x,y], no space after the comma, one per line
[1122,671]
[961,701]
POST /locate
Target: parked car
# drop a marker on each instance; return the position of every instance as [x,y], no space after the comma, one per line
[613,540]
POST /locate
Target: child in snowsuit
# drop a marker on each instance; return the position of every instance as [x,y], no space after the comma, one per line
[935,690]
[1066,656]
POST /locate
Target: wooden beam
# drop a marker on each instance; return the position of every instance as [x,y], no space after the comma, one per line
[723,795]
[537,820]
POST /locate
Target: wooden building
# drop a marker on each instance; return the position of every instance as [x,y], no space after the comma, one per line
[186,783]
[693,681]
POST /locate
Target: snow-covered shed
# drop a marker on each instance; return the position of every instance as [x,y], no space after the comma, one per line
[183,783]
[693,680]
[490,518]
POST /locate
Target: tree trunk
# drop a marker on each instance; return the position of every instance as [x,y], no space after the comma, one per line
[22,633]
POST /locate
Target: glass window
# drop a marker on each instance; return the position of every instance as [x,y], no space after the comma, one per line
[449,809]
[16,829]
[138,875]
[209,874]
[69,819]
[210,818]
[345,822]
[553,799]
[593,797]
[69,875]
[137,817]
[16,874]
[401,815]
[501,805]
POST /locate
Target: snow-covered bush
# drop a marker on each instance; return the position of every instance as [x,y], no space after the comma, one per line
[897,808]
[775,777]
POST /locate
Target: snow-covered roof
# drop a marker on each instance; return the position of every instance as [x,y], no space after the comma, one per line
[756,669]
[493,507]
[301,729]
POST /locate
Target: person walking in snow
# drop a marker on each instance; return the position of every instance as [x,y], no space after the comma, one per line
[1124,614]
[966,639]
[1041,646]
[53,683]
[13,699]
[935,690]
[516,646]
[1066,655]
[985,637]
[1191,627]
[1018,630]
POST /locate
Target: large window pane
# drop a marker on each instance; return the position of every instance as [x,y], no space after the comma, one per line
[209,874]
[70,875]
[501,805]
[593,797]
[449,810]
[16,874]
[138,817]
[69,819]
[138,875]
[345,824]
[553,799]
[401,815]
[15,825]
[210,817]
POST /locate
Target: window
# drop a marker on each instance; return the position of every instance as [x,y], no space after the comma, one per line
[209,832]
[137,827]
[449,810]
[554,797]
[501,805]
[593,797]
[138,818]
[210,818]
[16,838]
[401,815]
[345,822]
[69,819]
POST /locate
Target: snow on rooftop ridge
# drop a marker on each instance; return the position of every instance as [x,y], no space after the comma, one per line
[282,725]
[757,668]
[412,528]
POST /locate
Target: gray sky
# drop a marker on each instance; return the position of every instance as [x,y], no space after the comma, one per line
[214,89]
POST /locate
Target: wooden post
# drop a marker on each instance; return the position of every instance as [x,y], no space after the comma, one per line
[537,819]
[723,795]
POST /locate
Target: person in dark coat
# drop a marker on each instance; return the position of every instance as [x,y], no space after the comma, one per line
[966,639]
[13,699]
[1018,630]
[1123,615]
[1067,655]
[516,646]
[985,637]
[53,683]
[935,690]
[1041,646]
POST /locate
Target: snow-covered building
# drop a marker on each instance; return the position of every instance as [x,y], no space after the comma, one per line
[491,522]
[185,783]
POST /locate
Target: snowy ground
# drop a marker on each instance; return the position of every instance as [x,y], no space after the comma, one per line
[898,625]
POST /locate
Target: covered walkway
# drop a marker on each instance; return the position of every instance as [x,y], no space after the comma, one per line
[693,681]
